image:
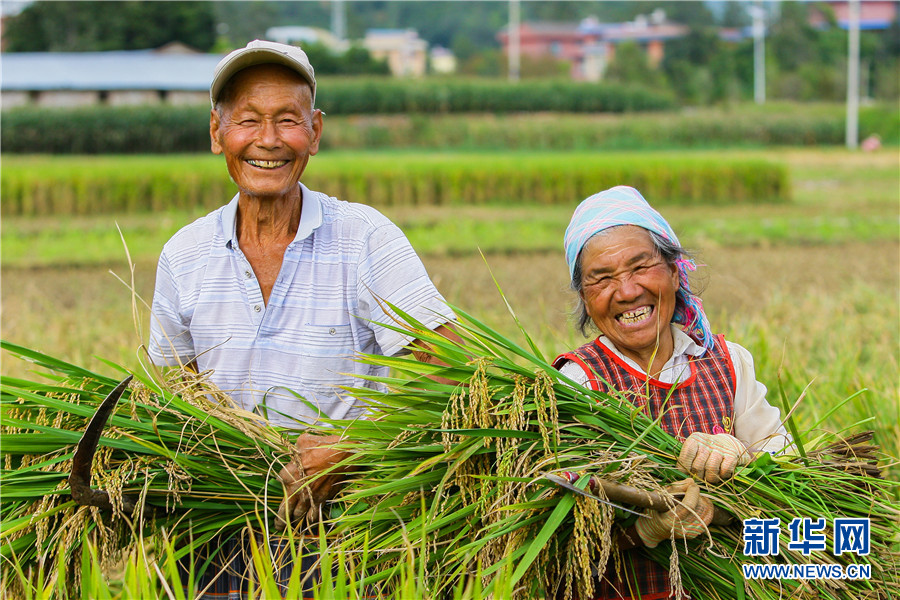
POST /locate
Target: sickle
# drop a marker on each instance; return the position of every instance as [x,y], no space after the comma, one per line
[80,477]
[626,494]
[564,483]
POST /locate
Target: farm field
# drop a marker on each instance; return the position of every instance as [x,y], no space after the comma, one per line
[809,287]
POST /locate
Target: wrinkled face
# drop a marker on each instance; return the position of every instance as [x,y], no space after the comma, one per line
[629,290]
[267,130]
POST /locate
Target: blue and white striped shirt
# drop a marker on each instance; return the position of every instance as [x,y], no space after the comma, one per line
[322,312]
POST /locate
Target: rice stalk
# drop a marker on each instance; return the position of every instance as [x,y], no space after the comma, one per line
[448,492]
[198,464]
[476,456]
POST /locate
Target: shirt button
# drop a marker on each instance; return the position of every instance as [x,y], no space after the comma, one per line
[332,331]
[257,308]
[248,273]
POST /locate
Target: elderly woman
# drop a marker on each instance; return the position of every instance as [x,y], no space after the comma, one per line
[655,345]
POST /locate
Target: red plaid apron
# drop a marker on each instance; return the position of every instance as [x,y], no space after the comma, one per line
[702,402]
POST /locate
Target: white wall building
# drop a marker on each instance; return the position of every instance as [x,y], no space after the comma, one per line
[403,49]
[64,79]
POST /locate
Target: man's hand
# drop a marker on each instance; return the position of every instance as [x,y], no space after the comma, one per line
[304,492]
[712,457]
[687,520]
[420,351]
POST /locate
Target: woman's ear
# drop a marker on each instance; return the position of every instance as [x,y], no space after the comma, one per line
[676,275]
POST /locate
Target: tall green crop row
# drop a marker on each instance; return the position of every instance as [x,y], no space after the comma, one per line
[432,96]
[744,127]
[172,129]
[491,181]
[83,185]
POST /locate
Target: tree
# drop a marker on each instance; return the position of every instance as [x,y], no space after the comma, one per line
[356,60]
[698,47]
[700,67]
[241,22]
[735,15]
[71,26]
[791,39]
[630,65]
[886,63]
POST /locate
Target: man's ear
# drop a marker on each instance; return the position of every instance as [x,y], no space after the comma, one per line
[215,124]
[318,122]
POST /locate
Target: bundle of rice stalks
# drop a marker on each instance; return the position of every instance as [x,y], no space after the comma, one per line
[448,476]
[461,471]
[177,457]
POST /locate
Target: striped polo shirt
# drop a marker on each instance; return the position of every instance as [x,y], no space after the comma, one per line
[292,355]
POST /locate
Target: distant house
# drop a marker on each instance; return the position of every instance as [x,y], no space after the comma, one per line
[404,51]
[562,41]
[589,46]
[173,74]
[442,60]
[300,35]
[873,14]
[651,33]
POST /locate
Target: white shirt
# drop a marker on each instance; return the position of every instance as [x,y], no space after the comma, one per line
[293,354]
[756,422]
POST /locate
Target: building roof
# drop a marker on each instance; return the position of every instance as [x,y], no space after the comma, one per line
[289,34]
[393,39]
[121,70]
[643,33]
[873,14]
[545,29]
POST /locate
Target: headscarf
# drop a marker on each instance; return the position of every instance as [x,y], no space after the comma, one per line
[623,205]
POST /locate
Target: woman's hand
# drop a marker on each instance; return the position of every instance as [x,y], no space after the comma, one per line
[712,457]
[304,493]
[687,520]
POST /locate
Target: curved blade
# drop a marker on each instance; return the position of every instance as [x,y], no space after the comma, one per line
[563,483]
[80,477]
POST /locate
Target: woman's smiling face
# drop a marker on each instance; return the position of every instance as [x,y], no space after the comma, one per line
[629,291]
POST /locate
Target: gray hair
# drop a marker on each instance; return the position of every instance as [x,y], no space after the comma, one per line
[669,251]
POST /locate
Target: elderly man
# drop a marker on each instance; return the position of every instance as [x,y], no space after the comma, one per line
[278,291]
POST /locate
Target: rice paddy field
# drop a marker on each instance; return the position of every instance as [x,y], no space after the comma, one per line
[811,287]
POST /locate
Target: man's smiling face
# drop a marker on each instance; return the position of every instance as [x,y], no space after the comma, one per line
[267,130]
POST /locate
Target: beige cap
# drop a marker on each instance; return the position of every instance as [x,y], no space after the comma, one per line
[261,52]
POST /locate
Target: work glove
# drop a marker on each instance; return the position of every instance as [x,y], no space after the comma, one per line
[712,457]
[304,493]
[687,520]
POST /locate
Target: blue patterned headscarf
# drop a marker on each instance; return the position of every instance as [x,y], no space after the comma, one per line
[623,205]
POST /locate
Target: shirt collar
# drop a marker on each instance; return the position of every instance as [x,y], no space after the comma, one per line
[685,344]
[310,217]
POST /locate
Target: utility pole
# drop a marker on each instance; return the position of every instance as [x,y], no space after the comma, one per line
[338,21]
[759,51]
[853,77]
[514,48]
